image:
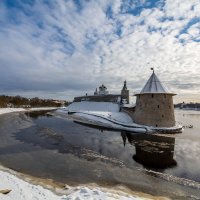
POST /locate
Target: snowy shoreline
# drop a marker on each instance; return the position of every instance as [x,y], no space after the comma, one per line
[25,188]
[10,110]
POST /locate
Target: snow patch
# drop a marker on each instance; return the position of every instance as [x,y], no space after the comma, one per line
[115,116]
[93,106]
[10,110]
[102,120]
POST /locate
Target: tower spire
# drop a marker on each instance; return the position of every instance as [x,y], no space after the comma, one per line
[125,87]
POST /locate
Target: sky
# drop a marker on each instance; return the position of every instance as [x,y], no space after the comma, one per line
[65,48]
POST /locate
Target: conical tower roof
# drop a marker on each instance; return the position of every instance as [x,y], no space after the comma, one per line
[154,86]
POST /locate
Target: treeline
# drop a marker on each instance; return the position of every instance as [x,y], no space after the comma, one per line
[188,105]
[18,102]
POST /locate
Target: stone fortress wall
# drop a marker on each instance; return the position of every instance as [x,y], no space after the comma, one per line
[97,98]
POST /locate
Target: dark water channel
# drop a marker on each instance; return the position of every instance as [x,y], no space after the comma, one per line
[50,145]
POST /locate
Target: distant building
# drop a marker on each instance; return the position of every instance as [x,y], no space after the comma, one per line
[102,95]
[154,105]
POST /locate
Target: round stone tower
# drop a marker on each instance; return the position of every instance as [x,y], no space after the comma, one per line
[154,105]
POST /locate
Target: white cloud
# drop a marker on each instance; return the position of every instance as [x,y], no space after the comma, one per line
[194,31]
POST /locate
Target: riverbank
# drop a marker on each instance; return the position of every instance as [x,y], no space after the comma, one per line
[25,187]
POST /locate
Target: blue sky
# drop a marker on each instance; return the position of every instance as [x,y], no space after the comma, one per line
[64,48]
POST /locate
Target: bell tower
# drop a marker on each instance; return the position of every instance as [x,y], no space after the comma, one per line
[125,94]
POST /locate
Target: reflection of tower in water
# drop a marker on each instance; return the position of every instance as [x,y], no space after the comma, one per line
[152,151]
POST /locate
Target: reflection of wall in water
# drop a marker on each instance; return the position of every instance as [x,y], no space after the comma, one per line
[151,150]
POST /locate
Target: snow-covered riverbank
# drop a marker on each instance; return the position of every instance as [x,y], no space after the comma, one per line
[24,190]
[10,110]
